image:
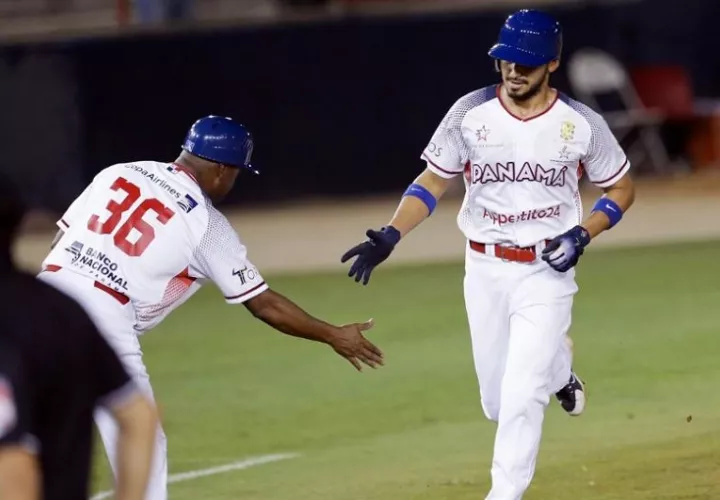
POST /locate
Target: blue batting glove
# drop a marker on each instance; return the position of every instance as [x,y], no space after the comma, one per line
[372,252]
[564,251]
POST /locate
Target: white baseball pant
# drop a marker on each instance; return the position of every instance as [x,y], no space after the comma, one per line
[519,315]
[115,321]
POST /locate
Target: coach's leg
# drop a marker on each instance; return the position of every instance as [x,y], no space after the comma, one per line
[107,427]
[485,287]
[157,485]
[539,321]
[108,430]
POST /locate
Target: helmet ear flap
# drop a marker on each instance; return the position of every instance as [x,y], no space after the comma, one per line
[561,42]
[559,46]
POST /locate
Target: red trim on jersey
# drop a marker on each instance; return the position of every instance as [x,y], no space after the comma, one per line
[186,171]
[613,175]
[245,293]
[175,290]
[527,119]
[185,278]
[119,296]
[449,172]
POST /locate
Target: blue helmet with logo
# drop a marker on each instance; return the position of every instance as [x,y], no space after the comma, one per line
[220,140]
[529,38]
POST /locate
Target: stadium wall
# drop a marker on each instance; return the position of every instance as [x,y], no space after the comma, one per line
[339,107]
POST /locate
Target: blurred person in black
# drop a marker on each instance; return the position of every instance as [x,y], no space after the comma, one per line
[55,368]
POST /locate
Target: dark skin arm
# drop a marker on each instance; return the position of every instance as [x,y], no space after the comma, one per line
[622,193]
[285,316]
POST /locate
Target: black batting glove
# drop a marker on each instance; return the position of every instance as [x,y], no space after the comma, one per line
[372,252]
[564,251]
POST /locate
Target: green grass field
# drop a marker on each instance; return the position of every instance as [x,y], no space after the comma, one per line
[647,342]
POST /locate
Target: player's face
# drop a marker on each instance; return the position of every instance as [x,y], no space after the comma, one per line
[223,182]
[524,82]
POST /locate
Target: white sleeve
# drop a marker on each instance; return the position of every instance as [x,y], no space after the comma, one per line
[75,211]
[222,258]
[605,161]
[446,153]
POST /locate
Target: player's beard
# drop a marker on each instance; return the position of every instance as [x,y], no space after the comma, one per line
[532,91]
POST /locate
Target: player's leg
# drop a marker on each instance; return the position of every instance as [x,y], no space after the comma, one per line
[107,427]
[562,364]
[485,287]
[572,395]
[157,485]
[540,319]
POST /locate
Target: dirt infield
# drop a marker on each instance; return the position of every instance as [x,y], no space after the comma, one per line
[313,236]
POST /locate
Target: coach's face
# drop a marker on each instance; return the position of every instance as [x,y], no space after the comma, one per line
[222,182]
[524,82]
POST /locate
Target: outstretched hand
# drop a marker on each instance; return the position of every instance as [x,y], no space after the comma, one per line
[350,343]
[371,253]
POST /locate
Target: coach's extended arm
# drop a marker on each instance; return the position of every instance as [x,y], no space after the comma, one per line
[287,317]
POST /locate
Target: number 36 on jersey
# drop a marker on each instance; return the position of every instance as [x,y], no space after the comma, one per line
[120,224]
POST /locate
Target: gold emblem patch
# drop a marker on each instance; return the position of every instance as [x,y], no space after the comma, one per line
[567,130]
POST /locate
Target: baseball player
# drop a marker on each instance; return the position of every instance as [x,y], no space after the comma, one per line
[144,236]
[521,148]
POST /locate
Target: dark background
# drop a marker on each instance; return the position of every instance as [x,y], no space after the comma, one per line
[337,108]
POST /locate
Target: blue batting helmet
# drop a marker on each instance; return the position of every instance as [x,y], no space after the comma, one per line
[220,140]
[529,38]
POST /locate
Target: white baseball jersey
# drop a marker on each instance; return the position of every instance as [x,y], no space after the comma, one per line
[147,231]
[522,175]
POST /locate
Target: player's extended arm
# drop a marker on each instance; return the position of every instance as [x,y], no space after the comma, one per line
[563,252]
[285,316]
[19,474]
[137,422]
[605,215]
[417,204]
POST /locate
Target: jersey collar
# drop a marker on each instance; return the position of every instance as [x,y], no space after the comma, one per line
[186,171]
[528,118]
